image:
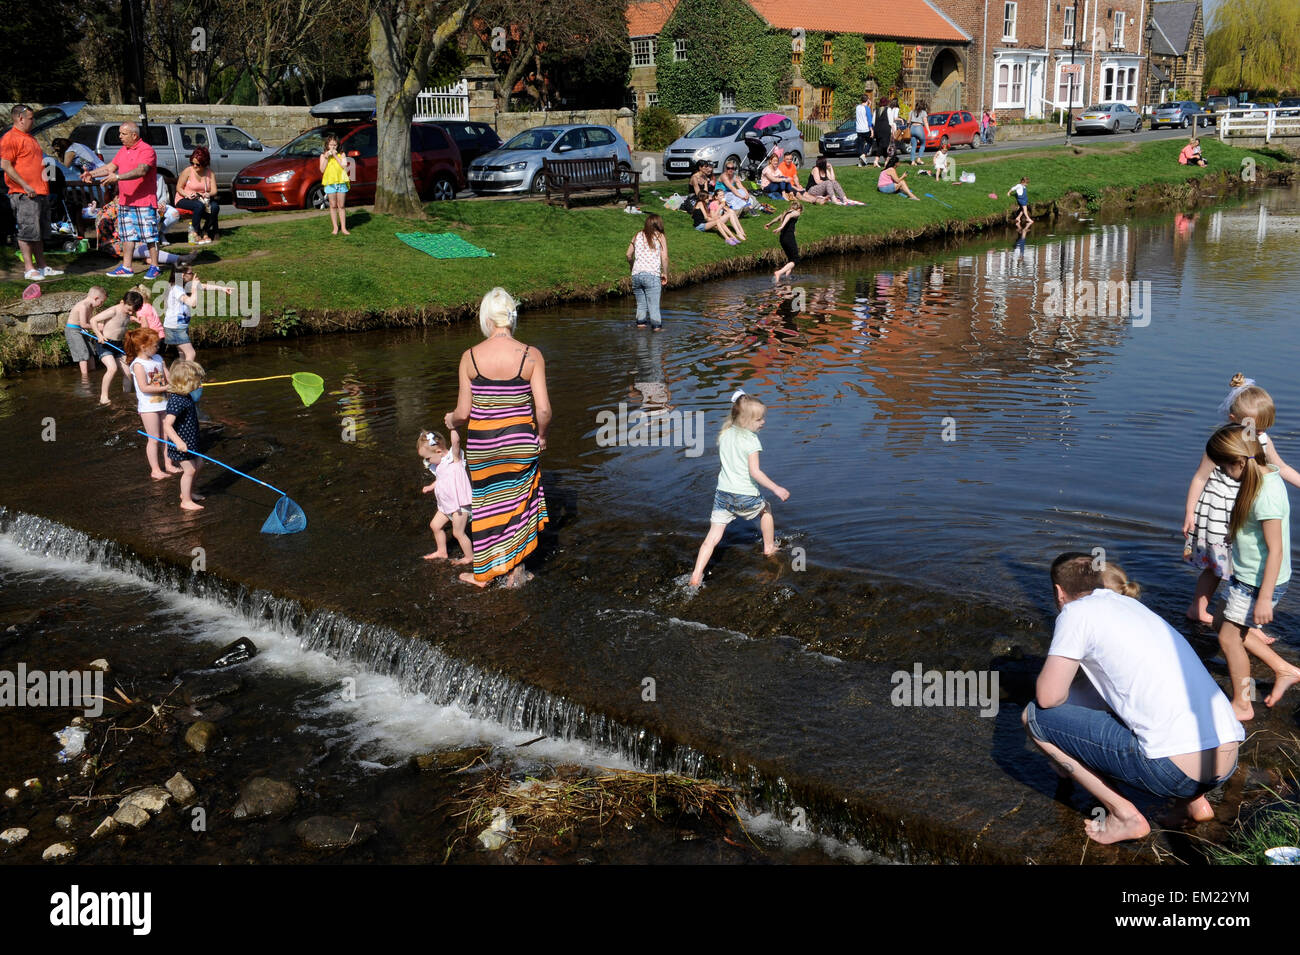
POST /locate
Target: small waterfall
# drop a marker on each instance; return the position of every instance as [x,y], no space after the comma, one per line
[422,668]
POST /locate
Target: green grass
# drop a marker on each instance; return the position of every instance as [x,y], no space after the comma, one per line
[1277,824]
[548,253]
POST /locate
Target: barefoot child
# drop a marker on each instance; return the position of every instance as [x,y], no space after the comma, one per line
[79,346]
[737,494]
[182,297]
[335,178]
[1260,527]
[150,376]
[1021,193]
[451,489]
[109,327]
[145,314]
[789,246]
[181,425]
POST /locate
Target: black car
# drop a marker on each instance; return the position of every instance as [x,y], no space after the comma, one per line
[840,141]
[474,139]
[1289,106]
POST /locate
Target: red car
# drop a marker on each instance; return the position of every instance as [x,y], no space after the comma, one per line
[955,128]
[290,177]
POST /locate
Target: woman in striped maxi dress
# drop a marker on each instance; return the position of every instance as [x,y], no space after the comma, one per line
[504,401]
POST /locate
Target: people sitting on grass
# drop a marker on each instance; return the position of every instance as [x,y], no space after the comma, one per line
[737,196]
[703,179]
[712,213]
[109,239]
[1191,154]
[823,186]
[893,182]
[774,183]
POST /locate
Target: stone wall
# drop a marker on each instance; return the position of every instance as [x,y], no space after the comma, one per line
[272,125]
[43,315]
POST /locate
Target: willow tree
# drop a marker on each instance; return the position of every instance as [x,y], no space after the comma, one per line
[406,36]
[1270,32]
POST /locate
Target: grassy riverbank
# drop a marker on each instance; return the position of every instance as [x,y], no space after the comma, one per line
[312,281]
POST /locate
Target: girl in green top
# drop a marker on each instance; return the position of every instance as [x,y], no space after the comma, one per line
[737,494]
[1260,529]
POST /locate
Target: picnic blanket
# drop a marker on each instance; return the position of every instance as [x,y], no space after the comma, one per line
[442,245]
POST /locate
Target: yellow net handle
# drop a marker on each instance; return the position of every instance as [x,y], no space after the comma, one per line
[240,381]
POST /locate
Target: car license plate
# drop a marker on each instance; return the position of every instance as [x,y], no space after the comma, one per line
[678,163]
[245,194]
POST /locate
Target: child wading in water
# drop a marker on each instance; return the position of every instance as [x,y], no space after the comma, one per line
[335,179]
[1211,495]
[1261,564]
[451,489]
[181,425]
[788,244]
[151,392]
[737,494]
[109,327]
[79,319]
[1021,193]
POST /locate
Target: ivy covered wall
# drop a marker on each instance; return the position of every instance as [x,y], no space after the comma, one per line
[848,74]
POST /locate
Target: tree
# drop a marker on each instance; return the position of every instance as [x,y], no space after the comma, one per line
[39,63]
[268,35]
[406,36]
[1270,32]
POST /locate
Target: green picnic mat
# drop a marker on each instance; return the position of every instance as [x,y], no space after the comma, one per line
[442,245]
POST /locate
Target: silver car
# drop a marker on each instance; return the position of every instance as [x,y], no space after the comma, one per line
[721,138]
[1179,114]
[1108,118]
[517,165]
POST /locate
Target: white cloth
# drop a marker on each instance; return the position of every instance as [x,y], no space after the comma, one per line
[178,312]
[862,119]
[1147,673]
[154,374]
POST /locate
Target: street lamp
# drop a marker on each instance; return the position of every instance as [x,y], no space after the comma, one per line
[1069,106]
[1242,68]
[1151,29]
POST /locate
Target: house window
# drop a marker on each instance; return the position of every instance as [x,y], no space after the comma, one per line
[1009,90]
[825,102]
[796,100]
[1118,39]
[726,102]
[679,50]
[1063,73]
[871,53]
[828,53]
[643,52]
[1130,84]
[1067,31]
[909,57]
[652,98]
[1108,83]
[1009,21]
[1119,83]
[796,57]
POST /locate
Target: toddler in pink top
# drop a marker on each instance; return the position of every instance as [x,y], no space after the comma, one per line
[145,314]
[451,489]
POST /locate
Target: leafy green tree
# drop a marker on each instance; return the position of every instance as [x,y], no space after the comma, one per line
[729,48]
[1270,32]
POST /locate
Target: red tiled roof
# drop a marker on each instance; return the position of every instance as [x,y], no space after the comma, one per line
[647,17]
[896,19]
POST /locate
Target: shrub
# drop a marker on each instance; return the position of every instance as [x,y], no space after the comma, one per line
[656,127]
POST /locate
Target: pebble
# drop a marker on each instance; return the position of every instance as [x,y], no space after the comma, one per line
[104,828]
[101,665]
[14,836]
[182,789]
[13,794]
[63,822]
[204,688]
[152,799]
[59,852]
[201,735]
[131,815]
[262,797]
[327,832]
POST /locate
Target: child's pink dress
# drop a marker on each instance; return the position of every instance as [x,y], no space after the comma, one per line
[147,317]
[452,489]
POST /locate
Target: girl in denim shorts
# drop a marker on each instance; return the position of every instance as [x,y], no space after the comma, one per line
[737,494]
[1261,563]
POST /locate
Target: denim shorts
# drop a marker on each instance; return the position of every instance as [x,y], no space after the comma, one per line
[888,188]
[177,336]
[728,506]
[1241,600]
[336,187]
[1102,742]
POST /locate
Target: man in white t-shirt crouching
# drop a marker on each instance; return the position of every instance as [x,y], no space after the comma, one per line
[1170,729]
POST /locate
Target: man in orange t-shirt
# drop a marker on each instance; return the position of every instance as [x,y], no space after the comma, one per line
[23,163]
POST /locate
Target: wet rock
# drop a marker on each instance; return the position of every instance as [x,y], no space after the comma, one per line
[237,652]
[327,832]
[14,836]
[498,833]
[262,797]
[105,828]
[152,799]
[212,712]
[182,789]
[100,664]
[200,689]
[201,736]
[59,852]
[448,760]
[63,822]
[13,795]
[131,815]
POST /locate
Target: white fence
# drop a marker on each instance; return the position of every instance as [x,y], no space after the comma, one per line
[1268,123]
[443,102]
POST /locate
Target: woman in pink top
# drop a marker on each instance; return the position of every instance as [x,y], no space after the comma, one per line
[891,182]
[1191,154]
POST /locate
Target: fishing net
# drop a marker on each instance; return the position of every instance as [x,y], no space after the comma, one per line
[286,518]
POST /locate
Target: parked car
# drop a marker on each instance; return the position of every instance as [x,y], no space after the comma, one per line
[1184,114]
[1217,104]
[1109,118]
[517,165]
[473,139]
[840,141]
[232,149]
[721,138]
[1289,107]
[290,177]
[955,128]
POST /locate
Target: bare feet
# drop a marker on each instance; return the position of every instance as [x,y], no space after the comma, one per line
[190,506]
[436,555]
[470,579]
[1111,828]
[697,581]
[103,400]
[1199,613]
[1243,711]
[158,475]
[463,561]
[1187,813]
[773,552]
[1200,809]
[346,232]
[172,470]
[1281,684]
[1263,637]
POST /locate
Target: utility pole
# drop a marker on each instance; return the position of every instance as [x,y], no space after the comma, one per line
[1069,106]
[133,15]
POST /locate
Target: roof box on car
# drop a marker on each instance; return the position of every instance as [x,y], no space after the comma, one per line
[341,107]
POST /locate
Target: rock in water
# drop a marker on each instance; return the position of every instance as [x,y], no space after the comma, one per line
[101,664]
[131,815]
[182,789]
[152,799]
[14,836]
[200,736]
[239,651]
[104,828]
[59,852]
[262,797]
[201,689]
[63,822]
[13,796]
[327,832]
[447,760]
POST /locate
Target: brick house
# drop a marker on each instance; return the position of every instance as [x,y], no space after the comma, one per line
[1024,53]
[1177,49]
[934,49]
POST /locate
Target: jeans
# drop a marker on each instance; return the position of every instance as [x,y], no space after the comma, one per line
[988,133]
[918,142]
[646,288]
[205,221]
[1102,742]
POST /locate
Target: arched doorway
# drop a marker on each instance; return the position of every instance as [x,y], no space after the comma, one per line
[945,81]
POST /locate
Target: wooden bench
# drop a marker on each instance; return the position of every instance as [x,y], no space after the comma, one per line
[564,177]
